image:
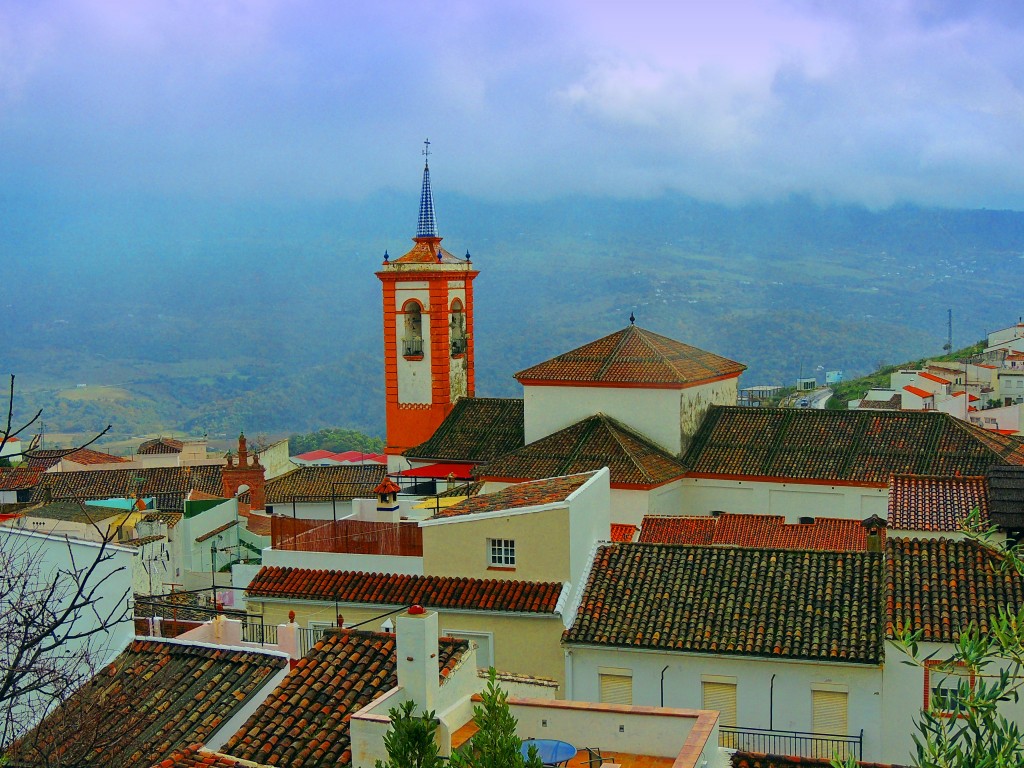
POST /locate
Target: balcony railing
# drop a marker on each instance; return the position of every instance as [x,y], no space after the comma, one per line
[412,347]
[356,537]
[264,634]
[792,743]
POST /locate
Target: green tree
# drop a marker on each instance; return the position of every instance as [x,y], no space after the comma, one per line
[964,728]
[495,744]
[411,742]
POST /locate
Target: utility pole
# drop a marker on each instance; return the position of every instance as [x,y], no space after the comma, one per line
[949,332]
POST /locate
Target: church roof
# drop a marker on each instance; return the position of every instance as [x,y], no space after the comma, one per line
[633,356]
[478,429]
[595,442]
[850,447]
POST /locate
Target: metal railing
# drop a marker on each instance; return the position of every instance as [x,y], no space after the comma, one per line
[309,637]
[792,743]
[413,346]
[264,634]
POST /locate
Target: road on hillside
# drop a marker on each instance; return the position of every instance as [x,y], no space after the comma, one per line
[819,398]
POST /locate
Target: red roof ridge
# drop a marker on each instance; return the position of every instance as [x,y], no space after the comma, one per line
[918,391]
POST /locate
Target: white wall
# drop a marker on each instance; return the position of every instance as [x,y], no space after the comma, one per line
[196,555]
[588,522]
[47,559]
[651,412]
[330,561]
[702,496]
[903,699]
[791,696]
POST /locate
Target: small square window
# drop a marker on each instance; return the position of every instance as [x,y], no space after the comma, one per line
[942,687]
[501,553]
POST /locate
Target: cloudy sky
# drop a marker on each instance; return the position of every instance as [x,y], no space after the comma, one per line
[736,100]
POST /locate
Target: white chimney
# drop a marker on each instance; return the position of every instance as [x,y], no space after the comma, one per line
[417,632]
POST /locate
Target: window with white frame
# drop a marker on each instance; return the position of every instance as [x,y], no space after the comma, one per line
[944,685]
[501,553]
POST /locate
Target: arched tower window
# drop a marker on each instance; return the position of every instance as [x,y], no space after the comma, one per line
[412,342]
[457,329]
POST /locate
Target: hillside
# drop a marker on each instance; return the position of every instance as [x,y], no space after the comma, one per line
[216,318]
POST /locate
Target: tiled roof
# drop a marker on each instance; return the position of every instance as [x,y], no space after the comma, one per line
[160,445]
[894,403]
[917,391]
[597,441]
[633,356]
[306,721]
[141,542]
[477,430]
[170,519]
[72,511]
[387,485]
[425,252]
[928,503]
[729,600]
[1006,495]
[304,484]
[765,531]
[169,485]
[550,491]
[933,377]
[44,459]
[215,531]
[940,586]
[18,478]
[197,756]
[842,446]
[399,589]
[623,532]
[157,697]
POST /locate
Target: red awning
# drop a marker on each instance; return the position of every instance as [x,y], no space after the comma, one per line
[440,471]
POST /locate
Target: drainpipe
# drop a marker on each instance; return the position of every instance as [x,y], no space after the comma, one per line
[663,685]
[569,693]
[771,704]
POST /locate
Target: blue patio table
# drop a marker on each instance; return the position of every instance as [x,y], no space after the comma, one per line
[550,751]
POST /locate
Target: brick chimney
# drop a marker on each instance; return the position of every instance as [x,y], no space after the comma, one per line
[417,632]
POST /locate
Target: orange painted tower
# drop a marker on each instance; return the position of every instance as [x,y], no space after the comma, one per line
[428,332]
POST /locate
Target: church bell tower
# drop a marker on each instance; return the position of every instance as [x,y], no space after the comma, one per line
[428,332]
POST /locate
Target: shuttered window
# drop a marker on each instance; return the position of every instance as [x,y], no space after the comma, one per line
[721,697]
[616,689]
[829,712]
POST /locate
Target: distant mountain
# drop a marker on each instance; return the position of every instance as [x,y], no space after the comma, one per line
[214,317]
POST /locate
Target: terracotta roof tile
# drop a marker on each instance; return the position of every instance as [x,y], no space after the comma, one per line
[633,356]
[44,459]
[917,391]
[215,531]
[533,494]
[72,511]
[19,478]
[595,442]
[928,503]
[312,483]
[477,430]
[764,531]
[197,756]
[170,519]
[170,485]
[842,446]
[141,541]
[940,586]
[894,403]
[398,589]
[1006,495]
[159,445]
[735,601]
[306,721]
[623,532]
[156,698]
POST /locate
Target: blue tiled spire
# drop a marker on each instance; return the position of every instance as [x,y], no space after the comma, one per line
[426,227]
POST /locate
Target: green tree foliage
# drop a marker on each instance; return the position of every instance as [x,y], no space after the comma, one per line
[495,744]
[411,742]
[965,728]
[334,439]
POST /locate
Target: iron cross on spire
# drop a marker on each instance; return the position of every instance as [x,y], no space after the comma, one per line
[426,150]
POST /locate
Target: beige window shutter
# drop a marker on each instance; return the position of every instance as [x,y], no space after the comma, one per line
[721,697]
[829,712]
[616,689]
